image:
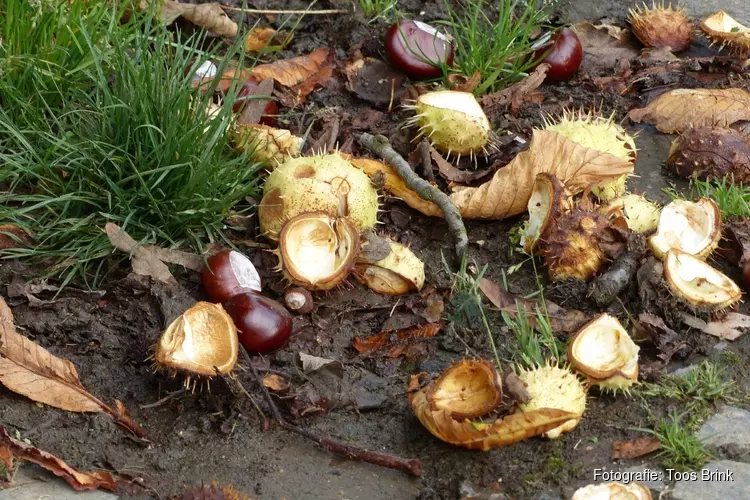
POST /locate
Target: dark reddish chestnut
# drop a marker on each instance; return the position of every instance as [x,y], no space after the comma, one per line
[264,325]
[418,49]
[564,56]
[228,273]
[271,108]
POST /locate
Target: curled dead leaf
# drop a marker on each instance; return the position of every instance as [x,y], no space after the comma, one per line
[208,15]
[259,38]
[479,435]
[396,342]
[681,109]
[12,236]
[605,47]
[275,382]
[628,450]
[508,192]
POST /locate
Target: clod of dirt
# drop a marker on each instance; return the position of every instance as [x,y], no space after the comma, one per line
[723,30]
[698,284]
[711,153]
[327,183]
[266,144]
[690,227]
[554,387]
[399,273]
[662,27]
[467,388]
[202,341]
[640,214]
[604,352]
[317,250]
[375,81]
[629,491]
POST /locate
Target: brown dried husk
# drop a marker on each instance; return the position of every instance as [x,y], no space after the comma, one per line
[313,240]
[549,200]
[711,153]
[202,341]
[578,244]
[479,435]
[663,27]
[718,27]
[468,388]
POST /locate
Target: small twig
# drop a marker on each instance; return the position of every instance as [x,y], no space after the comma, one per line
[282,12]
[333,134]
[410,466]
[380,146]
[160,402]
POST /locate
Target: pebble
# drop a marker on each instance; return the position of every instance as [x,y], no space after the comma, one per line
[728,433]
[699,488]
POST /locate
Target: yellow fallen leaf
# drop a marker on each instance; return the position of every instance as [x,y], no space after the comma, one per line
[291,72]
[508,192]
[259,38]
[478,435]
[207,15]
[680,109]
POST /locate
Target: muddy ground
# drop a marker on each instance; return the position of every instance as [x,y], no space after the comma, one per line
[218,436]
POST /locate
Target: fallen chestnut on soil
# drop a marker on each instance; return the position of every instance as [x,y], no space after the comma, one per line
[418,49]
[711,153]
[228,273]
[299,300]
[564,57]
[269,112]
[264,325]
[662,27]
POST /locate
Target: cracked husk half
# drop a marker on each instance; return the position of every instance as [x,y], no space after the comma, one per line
[691,227]
[266,144]
[723,30]
[480,435]
[640,214]
[467,389]
[202,341]
[548,201]
[613,491]
[453,121]
[662,26]
[399,273]
[553,387]
[698,284]
[327,183]
[317,250]
[602,134]
[604,352]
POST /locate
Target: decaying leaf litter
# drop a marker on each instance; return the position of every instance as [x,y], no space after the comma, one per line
[379,342]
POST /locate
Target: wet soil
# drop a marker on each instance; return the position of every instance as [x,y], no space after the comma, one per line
[218,435]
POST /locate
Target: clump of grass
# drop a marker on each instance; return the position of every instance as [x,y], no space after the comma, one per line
[131,142]
[495,39]
[732,199]
[681,450]
[535,343]
[378,9]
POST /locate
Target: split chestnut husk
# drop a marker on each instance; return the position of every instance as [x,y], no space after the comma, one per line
[640,215]
[711,153]
[202,341]
[723,30]
[399,273]
[690,227]
[549,200]
[317,250]
[662,26]
[267,144]
[613,491]
[604,352]
[467,389]
[699,285]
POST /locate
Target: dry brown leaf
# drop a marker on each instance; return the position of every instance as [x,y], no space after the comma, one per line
[12,236]
[627,450]
[291,72]
[401,338]
[259,38]
[30,370]
[80,481]
[463,83]
[482,436]
[275,382]
[144,262]
[495,104]
[680,109]
[395,185]
[451,173]
[605,48]
[508,192]
[731,327]
[208,15]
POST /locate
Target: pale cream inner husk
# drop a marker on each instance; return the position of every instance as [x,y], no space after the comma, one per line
[538,208]
[698,280]
[686,226]
[725,23]
[315,249]
[605,346]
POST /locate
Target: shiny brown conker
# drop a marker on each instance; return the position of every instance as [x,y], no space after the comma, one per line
[228,273]
[264,325]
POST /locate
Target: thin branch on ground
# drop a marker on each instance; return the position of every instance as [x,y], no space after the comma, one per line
[290,12]
[380,147]
[411,466]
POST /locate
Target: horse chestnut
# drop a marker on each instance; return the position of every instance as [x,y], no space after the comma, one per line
[264,325]
[271,108]
[228,273]
[418,49]
[564,58]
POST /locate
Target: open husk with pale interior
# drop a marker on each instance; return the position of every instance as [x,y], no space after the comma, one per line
[327,183]
[690,227]
[551,386]
[202,341]
[468,388]
[399,273]
[723,30]
[604,352]
[317,250]
[613,491]
[548,201]
[640,214]
[697,284]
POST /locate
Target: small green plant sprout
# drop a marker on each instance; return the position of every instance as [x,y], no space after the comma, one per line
[681,450]
[732,199]
[378,9]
